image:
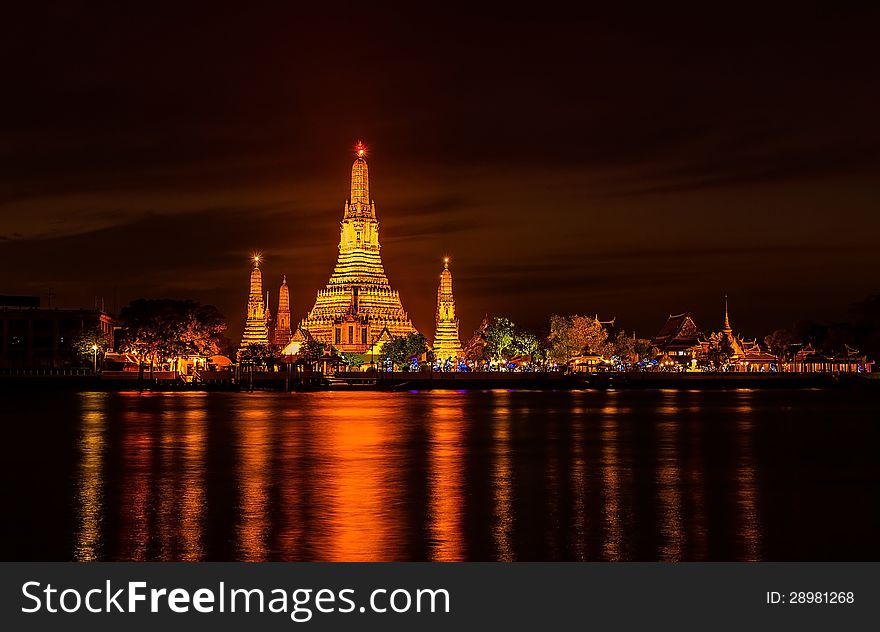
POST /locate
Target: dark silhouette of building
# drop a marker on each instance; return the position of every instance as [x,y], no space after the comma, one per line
[39,338]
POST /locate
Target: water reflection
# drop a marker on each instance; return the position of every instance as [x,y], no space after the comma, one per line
[669,482]
[90,485]
[611,480]
[579,481]
[291,464]
[446,424]
[140,432]
[192,488]
[747,479]
[501,475]
[502,483]
[254,443]
[359,477]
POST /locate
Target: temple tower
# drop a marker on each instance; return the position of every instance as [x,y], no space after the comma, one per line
[256,327]
[282,333]
[735,343]
[447,344]
[358,303]
[726,326]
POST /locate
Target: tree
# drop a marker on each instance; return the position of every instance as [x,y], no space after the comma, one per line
[623,350]
[570,336]
[352,359]
[500,337]
[311,350]
[261,354]
[719,352]
[82,344]
[525,343]
[645,350]
[202,329]
[155,330]
[402,350]
[541,354]
[780,343]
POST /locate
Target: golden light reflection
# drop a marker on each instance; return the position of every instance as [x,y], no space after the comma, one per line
[669,485]
[138,437]
[179,483]
[90,485]
[502,474]
[749,528]
[446,463]
[359,477]
[579,479]
[192,488]
[167,481]
[254,442]
[293,478]
[611,483]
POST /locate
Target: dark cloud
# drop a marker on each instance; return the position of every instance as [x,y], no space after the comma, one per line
[629,165]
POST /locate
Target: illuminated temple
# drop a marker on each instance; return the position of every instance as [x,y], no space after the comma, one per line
[281,333]
[358,306]
[447,344]
[256,327]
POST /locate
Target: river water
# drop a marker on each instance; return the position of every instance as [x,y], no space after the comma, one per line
[479,475]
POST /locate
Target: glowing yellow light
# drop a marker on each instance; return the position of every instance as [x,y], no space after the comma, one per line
[361,149]
[94,347]
[257,257]
[445,259]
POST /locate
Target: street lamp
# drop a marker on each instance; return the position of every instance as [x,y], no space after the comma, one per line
[95,351]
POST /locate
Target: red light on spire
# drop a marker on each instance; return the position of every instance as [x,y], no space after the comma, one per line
[360,149]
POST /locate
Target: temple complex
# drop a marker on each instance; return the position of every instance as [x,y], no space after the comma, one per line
[447,344]
[358,304]
[680,342]
[256,327]
[747,355]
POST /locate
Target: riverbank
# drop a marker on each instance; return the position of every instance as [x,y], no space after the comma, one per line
[425,381]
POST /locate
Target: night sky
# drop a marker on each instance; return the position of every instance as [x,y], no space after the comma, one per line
[631,165]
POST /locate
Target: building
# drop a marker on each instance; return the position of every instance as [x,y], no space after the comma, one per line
[678,341]
[358,303]
[256,327]
[746,355]
[34,337]
[281,333]
[588,363]
[808,360]
[681,344]
[447,344]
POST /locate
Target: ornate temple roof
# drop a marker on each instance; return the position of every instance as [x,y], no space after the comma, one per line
[284,296]
[358,292]
[447,343]
[679,333]
[256,330]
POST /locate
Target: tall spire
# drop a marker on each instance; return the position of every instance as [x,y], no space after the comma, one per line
[360,181]
[447,343]
[256,280]
[282,333]
[268,314]
[256,329]
[726,328]
[358,303]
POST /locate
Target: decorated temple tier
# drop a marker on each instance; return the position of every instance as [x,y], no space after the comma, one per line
[358,305]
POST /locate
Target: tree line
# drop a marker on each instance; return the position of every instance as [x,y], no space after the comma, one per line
[155,331]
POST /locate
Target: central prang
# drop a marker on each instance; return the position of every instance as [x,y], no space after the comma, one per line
[358,309]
